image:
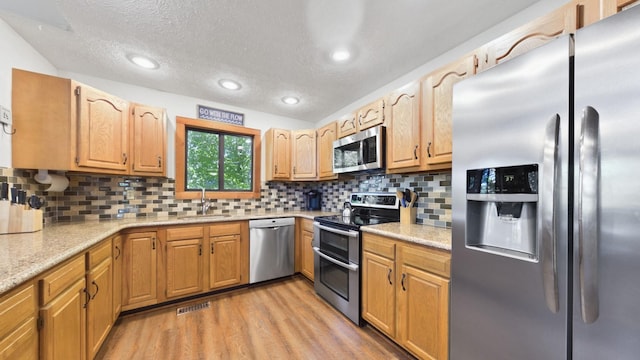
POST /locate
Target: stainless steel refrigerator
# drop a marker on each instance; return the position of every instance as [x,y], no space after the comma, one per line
[546,201]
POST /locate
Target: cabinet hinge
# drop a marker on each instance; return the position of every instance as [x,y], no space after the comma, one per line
[77,91]
[40,323]
[475,62]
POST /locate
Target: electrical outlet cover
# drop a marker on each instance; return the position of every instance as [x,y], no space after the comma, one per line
[5,115]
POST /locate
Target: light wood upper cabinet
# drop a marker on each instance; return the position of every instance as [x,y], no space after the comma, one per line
[303,154]
[184,261]
[403,116]
[18,328]
[139,269]
[438,106]
[611,7]
[64,125]
[371,115]
[277,154]
[564,20]
[103,130]
[326,136]
[149,140]
[347,125]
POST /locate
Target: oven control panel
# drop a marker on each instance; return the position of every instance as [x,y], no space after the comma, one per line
[375,200]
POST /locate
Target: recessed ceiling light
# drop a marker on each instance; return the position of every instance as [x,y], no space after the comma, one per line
[290,100]
[143,62]
[340,55]
[229,84]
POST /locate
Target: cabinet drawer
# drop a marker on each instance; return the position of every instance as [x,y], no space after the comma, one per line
[430,260]
[16,307]
[56,281]
[183,233]
[307,225]
[378,245]
[225,229]
[99,253]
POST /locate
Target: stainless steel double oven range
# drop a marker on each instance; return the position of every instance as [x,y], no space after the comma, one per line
[337,248]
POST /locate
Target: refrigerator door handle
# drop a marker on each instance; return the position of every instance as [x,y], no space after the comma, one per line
[547,222]
[588,214]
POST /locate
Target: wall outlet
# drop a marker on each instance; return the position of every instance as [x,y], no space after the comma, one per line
[5,115]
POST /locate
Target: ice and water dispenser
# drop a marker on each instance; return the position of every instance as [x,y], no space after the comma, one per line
[502,208]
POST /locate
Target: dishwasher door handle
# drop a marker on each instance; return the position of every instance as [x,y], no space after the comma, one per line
[351,267]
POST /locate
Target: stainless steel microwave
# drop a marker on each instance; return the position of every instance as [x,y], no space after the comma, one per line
[361,151]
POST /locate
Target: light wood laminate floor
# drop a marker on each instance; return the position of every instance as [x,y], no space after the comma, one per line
[277,320]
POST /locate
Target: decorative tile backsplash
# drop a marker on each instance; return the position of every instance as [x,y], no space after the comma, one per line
[98,197]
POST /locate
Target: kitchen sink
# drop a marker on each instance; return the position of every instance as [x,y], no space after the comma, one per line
[203,217]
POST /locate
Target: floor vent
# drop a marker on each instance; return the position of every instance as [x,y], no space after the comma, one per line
[190,308]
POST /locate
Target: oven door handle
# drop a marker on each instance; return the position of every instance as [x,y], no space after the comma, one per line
[350,233]
[330,259]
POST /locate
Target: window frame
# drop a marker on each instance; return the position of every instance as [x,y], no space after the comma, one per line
[182,124]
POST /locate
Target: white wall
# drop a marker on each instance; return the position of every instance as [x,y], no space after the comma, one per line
[538,9]
[15,53]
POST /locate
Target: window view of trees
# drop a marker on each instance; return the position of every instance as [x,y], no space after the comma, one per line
[218,161]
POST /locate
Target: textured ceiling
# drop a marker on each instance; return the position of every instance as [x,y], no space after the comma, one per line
[273,48]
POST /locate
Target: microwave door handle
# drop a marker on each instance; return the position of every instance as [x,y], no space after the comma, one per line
[547,219]
[361,155]
[588,215]
[334,261]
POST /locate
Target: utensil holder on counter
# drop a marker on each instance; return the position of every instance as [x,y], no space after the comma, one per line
[408,215]
[15,219]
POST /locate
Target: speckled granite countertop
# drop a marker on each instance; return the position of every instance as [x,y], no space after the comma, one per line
[23,256]
[420,234]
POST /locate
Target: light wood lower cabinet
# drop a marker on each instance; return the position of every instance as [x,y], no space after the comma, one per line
[228,254]
[139,280]
[305,236]
[99,287]
[118,254]
[184,270]
[18,328]
[63,300]
[405,294]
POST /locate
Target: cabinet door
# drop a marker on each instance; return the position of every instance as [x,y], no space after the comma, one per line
[103,130]
[63,333]
[100,307]
[184,267]
[118,254]
[371,115]
[139,267]
[403,127]
[438,106]
[225,261]
[347,125]
[149,140]
[18,331]
[528,37]
[326,136]
[307,255]
[303,154]
[378,292]
[278,154]
[423,313]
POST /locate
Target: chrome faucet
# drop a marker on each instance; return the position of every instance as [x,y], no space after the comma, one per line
[206,204]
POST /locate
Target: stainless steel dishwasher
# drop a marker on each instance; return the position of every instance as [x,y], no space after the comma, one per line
[271,248]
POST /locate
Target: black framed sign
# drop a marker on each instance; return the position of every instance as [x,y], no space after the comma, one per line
[230,117]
